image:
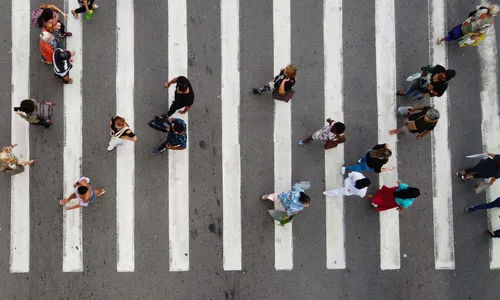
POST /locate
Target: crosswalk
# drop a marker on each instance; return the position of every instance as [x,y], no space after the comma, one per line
[181,163]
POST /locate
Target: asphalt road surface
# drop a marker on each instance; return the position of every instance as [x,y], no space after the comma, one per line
[416,277]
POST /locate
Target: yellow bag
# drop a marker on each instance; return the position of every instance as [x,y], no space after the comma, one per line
[467,40]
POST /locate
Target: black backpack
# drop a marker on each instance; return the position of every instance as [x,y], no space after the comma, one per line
[44,111]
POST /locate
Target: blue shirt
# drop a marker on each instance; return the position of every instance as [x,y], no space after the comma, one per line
[175,139]
[290,199]
[404,202]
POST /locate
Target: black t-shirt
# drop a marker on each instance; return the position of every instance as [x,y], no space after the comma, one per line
[375,163]
[487,168]
[279,79]
[439,86]
[420,122]
[128,133]
[184,99]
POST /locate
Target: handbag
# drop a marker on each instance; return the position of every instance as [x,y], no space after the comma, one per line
[115,137]
[467,40]
[283,97]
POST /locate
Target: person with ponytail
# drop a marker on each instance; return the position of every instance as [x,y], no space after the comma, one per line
[355,184]
[400,197]
[373,160]
[293,200]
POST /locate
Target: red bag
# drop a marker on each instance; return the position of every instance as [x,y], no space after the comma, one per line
[284,97]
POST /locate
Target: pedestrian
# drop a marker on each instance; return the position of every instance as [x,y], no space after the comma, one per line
[432,82]
[83,192]
[293,200]
[373,160]
[85,7]
[119,131]
[355,184]
[482,206]
[9,162]
[49,20]
[184,95]
[486,168]
[36,113]
[331,135]
[176,136]
[62,64]
[421,120]
[400,196]
[474,29]
[48,43]
[282,84]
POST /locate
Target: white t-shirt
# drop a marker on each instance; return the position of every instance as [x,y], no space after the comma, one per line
[350,181]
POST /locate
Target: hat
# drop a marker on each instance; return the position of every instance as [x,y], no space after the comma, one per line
[494,9]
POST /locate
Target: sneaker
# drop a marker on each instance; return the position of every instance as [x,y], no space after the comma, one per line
[342,170]
[374,205]
[301,143]
[359,161]
[467,209]
[464,178]
[95,6]
[155,152]
[256,91]
[110,148]
[69,34]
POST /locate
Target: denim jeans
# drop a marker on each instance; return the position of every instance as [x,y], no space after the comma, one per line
[492,204]
[414,90]
[359,167]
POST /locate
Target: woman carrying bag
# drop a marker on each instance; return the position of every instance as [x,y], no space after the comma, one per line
[400,197]
[9,162]
[488,168]
[282,85]
[119,131]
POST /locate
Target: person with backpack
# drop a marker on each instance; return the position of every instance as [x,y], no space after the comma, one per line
[35,113]
[86,6]
[474,29]
[184,95]
[431,81]
[421,120]
[47,16]
[84,193]
[119,131]
[331,135]
[176,136]
[9,162]
[62,64]
[281,86]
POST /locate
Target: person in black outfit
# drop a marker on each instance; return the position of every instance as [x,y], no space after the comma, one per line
[421,120]
[373,160]
[283,82]
[85,7]
[184,95]
[62,64]
[433,82]
[486,168]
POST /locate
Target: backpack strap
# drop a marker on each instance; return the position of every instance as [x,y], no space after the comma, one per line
[122,131]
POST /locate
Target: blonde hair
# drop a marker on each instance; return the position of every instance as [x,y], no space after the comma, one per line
[291,71]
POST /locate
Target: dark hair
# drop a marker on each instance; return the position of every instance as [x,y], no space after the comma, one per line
[450,74]
[362,183]
[27,106]
[65,55]
[47,14]
[304,199]
[408,193]
[339,127]
[182,84]
[82,190]
[381,153]
[178,127]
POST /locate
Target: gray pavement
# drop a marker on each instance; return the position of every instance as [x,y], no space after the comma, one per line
[309,279]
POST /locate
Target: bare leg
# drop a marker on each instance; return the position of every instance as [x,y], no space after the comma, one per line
[27,163]
[64,201]
[99,192]
[394,131]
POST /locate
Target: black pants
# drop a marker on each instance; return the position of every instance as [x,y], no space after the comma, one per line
[174,107]
[496,233]
[82,8]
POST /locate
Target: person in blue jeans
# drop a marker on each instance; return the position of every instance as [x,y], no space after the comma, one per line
[483,206]
[374,160]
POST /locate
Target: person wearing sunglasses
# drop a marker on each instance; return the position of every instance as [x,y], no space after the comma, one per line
[432,82]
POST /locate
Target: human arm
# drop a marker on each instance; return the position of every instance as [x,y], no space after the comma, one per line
[330,121]
[400,208]
[29,118]
[186,109]
[431,90]
[386,169]
[168,84]
[281,89]
[73,207]
[492,155]
[86,4]
[303,184]
[492,180]
[423,134]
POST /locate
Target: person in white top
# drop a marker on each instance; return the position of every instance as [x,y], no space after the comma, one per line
[355,184]
[331,135]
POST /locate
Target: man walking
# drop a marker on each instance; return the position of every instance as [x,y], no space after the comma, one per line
[332,135]
[184,95]
[176,136]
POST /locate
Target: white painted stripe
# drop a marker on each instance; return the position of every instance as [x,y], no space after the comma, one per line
[334,159]
[178,161]
[488,59]
[231,161]
[283,246]
[444,253]
[20,195]
[386,105]
[125,156]
[72,219]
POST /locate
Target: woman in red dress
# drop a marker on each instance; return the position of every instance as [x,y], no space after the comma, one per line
[400,196]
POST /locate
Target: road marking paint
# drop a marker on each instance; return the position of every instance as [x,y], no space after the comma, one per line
[444,253]
[231,161]
[72,219]
[178,161]
[386,105]
[125,156]
[334,159]
[283,245]
[20,195]
[488,60]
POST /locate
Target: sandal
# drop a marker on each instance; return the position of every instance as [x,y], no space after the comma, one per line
[74,14]
[264,197]
[103,191]
[31,162]
[400,93]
